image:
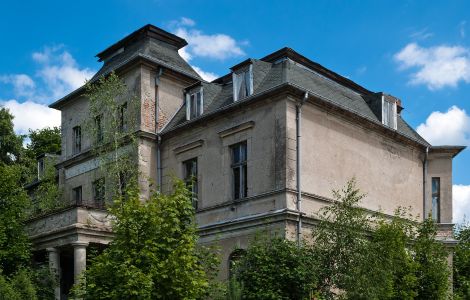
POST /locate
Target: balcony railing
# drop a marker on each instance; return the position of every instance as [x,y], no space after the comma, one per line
[39,209]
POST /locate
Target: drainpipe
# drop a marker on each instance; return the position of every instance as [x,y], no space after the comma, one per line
[298,118]
[425,175]
[159,139]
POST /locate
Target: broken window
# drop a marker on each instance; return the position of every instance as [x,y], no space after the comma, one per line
[242,83]
[123,117]
[77,139]
[99,128]
[239,170]
[194,104]
[389,113]
[77,195]
[436,199]
[190,178]
[99,192]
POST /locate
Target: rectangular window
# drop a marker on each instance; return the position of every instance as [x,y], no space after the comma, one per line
[389,113]
[194,104]
[77,195]
[123,117]
[41,168]
[99,192]
[239,170]
[99,128]
[190,177]
[436,199]
[77,139]
[242,84]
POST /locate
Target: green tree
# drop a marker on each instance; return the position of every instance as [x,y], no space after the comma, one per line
[46,140]
[390,259]
[276,268]
[431,256]
[112,124]
[341,246]
[154,253]
[14,243]
[462,262]
[10,143]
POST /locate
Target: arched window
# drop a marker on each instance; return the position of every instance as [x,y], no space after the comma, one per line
[233,260]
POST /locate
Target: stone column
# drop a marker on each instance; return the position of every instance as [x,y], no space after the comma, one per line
[54,266]
[79,258]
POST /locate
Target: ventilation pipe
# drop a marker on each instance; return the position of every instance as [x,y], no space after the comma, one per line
[159,139]
[425,181]
[298,118]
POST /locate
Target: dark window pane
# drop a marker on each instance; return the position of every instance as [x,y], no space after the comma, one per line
[236,182]
[244,182]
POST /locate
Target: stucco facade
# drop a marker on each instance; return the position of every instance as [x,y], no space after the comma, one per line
[306,131]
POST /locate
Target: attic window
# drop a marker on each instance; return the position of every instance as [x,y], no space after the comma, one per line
[242,83]
[194,104]
[389,113]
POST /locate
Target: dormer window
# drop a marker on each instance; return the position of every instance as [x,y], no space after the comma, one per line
[194,104]
[389,113]
[242,83]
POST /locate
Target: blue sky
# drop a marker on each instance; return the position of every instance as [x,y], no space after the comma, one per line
[418,51]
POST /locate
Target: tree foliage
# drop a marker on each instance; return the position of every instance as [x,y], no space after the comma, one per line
[462,262]
[14,243]
[276,268]
[10,143]
[353,255]
[154,254]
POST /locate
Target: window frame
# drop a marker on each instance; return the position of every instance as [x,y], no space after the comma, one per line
[190,178]
[389,113]
[99,184]
[76,139]
[239,170]
[123,117]
[436,199]
[194,105]
[245,78]
[99,128]
[77,194]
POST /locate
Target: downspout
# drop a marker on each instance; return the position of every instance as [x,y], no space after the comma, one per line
[159,139]
[425,175]
[298,118]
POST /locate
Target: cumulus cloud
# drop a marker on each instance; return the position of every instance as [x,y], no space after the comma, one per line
[57,73]
[31,115]
[217,46]
[447,128]
[209,76]
[436,67]
[461,202]
[23,85]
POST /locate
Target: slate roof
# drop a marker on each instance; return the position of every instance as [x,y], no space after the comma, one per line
[268,75]
[150,43]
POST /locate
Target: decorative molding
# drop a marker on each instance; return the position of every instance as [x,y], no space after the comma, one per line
[189,146]
[236,129]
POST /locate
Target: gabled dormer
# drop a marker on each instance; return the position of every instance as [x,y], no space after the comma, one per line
[242,79]
[386,108]
[194,101]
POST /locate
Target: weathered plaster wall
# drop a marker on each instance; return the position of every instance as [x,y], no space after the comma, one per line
[335,149]
[441,166]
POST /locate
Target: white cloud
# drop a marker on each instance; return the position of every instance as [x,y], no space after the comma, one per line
[57,73]
[31,115]
[23,85]
[208,76]
[216,46]
[447,128]
[437,67]
[422,34]
[461,202]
